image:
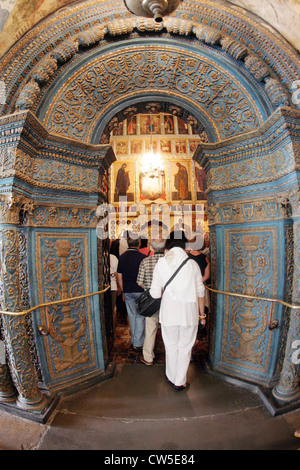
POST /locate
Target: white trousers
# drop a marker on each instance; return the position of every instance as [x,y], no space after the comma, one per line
[178,341]
[151,327]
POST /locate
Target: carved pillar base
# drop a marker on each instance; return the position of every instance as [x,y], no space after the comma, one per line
[286,395]
[22,370]
[8,392]
[32,404]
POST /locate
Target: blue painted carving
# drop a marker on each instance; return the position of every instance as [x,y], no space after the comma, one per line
[252,272]
[253,209]
[226,101]
[222,36]
[51,186]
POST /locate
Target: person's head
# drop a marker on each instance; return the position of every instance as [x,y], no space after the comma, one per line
[176,238]
[133,240]
[144,242]
[158,244]
[114,248]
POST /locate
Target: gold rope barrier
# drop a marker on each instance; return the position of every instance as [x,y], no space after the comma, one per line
[272,324]
[47,304]
[42,329]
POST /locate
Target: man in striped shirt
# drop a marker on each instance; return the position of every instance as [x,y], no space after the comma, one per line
[144,279]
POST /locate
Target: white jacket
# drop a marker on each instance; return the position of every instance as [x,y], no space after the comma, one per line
[179,304]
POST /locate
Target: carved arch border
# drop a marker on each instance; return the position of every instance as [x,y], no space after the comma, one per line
[28,93]
[75,104]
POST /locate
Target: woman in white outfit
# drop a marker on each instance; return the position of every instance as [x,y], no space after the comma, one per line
[179,311]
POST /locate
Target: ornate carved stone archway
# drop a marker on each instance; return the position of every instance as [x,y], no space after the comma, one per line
[82,68]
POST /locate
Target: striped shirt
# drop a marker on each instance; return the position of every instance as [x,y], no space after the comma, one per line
[146,268]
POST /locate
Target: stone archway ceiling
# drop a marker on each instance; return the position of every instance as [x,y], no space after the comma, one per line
[33,65]
[97,86]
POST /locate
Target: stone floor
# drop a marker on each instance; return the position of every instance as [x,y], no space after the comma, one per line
[136,411]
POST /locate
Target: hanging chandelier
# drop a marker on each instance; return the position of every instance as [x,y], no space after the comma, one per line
[156,9]
[152,175]
[151,162]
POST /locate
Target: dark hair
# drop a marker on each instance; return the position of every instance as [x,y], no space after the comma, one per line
[133,240]
[114,248]
[176,238]
[144,242]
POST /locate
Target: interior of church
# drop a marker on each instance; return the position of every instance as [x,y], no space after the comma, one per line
[116,115]
[151,146]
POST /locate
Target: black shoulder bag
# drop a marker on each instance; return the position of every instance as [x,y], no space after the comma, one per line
[146,304]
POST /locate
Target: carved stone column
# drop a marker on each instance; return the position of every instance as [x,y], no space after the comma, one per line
[20,362]
[287,389]
[8,392]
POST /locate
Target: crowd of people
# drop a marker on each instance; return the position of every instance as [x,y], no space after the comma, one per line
[184,307]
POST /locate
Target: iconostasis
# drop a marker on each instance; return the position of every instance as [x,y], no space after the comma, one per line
[155,167]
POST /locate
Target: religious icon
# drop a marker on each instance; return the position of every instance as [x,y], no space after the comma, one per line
[180,174]
[152,178]
[136,147]
[168,124]
[150,145]
[124,181]
[193,144]
[131,126]
[201,182]
[180,146]
[182,126]
[150,124]
[121,147]
[166,146]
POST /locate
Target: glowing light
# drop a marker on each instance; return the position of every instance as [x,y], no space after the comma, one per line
[151,162]
[152,176]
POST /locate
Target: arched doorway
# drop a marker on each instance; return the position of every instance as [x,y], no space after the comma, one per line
[229,84]
[152,194]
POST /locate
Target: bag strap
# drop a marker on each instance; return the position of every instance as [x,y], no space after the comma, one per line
[176,272]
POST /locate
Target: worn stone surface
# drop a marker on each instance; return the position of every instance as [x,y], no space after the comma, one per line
[18,433]
[283,15]
[138,410]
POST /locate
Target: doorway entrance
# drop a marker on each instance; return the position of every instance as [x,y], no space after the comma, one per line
[154,169]
[121,352]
